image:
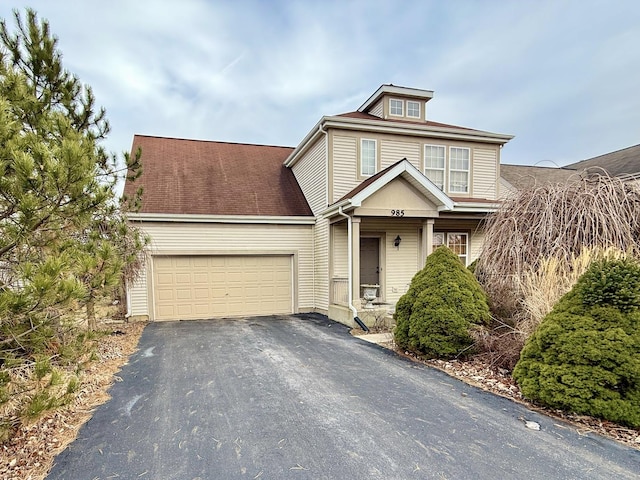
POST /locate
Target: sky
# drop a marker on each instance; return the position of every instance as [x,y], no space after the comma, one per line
[561,76]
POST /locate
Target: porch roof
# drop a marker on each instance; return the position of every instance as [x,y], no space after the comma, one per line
[403,169]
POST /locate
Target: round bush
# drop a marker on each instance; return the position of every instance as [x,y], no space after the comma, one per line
[585,355]
[443,302]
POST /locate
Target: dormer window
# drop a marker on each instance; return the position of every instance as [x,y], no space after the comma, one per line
[396,107]
[413,109]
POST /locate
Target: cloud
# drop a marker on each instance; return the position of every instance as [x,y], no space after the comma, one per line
[560,75]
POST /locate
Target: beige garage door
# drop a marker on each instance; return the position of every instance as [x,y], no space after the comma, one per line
[191,287]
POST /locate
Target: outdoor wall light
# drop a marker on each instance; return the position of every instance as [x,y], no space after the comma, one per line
[396,242]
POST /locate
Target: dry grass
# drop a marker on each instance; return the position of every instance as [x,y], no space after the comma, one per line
[540,242]
[29,454]
[543,287]
[555,221]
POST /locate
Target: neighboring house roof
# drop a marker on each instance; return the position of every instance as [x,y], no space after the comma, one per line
[621,163]
[617,164]
[215,178]
[526,176]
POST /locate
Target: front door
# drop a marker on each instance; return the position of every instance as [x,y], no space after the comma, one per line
[370,261]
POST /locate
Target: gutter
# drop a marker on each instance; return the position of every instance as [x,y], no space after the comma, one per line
[384,126]
[206,218]
[353,309]
[416,129]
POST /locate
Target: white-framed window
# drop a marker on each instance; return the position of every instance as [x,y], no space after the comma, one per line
[413,109]
[368,157]
[439,239]
[434,164]
[458,243]
[396,107]
[459,169]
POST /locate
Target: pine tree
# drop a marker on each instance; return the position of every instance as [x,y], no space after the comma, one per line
[64,238]
[444,302]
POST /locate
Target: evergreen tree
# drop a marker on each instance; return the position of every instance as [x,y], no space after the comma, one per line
[585,355]
[442,304]
[63,234]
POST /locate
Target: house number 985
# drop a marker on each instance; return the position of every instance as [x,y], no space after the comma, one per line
[397,213]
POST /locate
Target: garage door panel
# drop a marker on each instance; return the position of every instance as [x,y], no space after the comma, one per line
[184,310]
[200,262]
[164,294]
[182,262]
[202,309]
[214,286]
[184,294]
[201,293]
[165,279]
[201,277]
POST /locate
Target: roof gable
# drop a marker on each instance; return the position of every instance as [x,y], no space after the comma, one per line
[402,169]
[398,195]
[182,176]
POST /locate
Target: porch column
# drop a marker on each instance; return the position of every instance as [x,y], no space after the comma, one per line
[427,239]
[355,257]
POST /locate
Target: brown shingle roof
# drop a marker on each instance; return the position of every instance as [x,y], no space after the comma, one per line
[526,176]
[618,163]
[215,178]
[428,123]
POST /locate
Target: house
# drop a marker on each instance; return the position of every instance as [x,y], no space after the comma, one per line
[365,196]
[623,164]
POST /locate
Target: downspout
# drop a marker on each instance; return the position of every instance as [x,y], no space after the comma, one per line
[127,297]
[353,309]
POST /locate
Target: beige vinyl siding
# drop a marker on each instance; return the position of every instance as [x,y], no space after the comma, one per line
[311,173]
[340,257]
[345,164]
[138,292]
[485,173]
[476,242]
[321,265]
[378,109]
[224,239]
[392,152]
[484,160]
[506,190]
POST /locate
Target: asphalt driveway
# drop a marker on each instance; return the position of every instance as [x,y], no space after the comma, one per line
[299,398]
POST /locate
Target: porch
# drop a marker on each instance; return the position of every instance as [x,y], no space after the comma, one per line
[381,233]
[387,252]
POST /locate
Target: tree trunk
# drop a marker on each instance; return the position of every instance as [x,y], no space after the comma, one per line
[91,315]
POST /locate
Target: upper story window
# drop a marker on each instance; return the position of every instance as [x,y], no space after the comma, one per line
[459,169]
[413,109]
[368,160]
[434,164]
[396,107]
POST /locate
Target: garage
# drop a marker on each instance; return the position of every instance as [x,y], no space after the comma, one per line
[195,287]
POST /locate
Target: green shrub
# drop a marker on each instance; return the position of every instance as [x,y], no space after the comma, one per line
[585,355]
[473,265]
[443,302]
